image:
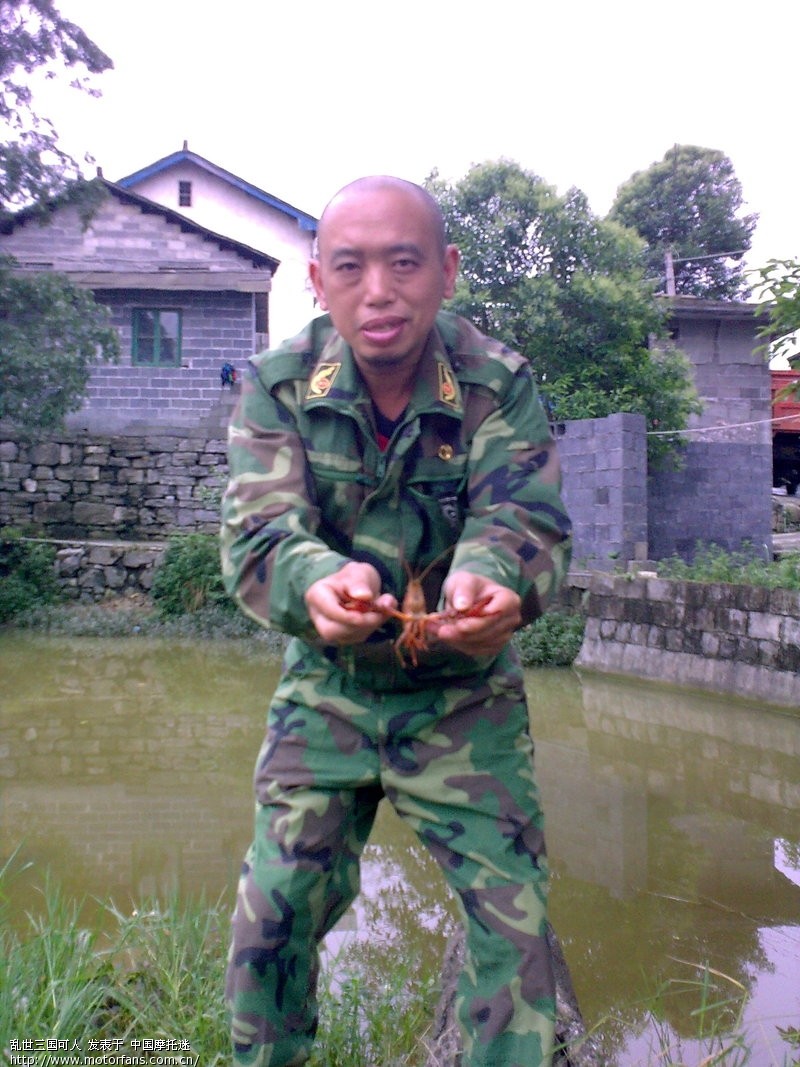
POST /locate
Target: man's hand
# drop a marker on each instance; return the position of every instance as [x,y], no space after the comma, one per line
[482,635]
[337,625]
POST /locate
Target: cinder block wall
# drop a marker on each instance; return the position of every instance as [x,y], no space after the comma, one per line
[604,463]
[723,491]
[217,328]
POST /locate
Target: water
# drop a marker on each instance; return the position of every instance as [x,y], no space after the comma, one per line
[673,823]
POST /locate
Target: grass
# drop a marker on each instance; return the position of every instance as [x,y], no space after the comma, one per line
[713,564]
[158,972]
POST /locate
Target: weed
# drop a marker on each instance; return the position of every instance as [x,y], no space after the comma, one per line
[553,640]
[189,578]
[746,567]
[27,576]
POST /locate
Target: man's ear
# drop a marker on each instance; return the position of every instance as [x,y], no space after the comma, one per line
[451,261]
[315,274]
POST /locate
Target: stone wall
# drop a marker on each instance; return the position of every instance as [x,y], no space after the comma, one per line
[96,570]
[125,488]
[741,640]
[146,485]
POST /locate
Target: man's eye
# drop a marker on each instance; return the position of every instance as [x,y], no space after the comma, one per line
[346,267]
[405,264]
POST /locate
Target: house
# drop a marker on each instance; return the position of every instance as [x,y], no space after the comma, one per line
[212,196]
[185,300]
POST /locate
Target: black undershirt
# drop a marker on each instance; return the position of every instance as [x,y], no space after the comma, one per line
[384,427]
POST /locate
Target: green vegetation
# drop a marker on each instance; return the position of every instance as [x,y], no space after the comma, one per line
[372,1015]
[51,331]
[713,564]
[546,276]
[188,578]
[27,579]
[554,640]
[159,972]
[689,205]
[779,283]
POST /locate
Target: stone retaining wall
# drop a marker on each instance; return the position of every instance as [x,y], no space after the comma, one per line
[96,570]
[104,487]
[741,640]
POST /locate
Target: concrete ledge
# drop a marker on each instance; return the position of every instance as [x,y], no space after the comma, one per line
[741,640]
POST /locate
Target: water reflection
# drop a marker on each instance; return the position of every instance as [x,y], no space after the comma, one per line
[673,818]
[674,823]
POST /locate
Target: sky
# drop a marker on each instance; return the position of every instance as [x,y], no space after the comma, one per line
[299,97]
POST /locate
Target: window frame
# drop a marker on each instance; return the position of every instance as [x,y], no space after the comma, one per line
[137,337]
[184,193]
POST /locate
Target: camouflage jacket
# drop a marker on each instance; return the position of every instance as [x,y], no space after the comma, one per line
[471,467]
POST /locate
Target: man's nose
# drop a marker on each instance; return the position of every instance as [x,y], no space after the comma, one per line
[378,283]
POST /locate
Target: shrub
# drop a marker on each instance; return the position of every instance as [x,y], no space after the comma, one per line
[553,640]
[27,575]
[713,564]
[189,577]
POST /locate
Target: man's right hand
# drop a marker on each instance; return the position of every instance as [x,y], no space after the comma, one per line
[325,599]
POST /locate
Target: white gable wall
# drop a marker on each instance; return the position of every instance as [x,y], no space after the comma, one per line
[225,209]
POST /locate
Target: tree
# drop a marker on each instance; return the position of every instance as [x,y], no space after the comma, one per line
[688,206]
[34,37]
[567,289]
[50,334]
[50,331]
[779,280]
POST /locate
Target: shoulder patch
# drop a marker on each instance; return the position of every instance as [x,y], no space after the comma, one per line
[448,393]
[322,381]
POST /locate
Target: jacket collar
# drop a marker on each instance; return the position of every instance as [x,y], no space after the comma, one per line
[335,381]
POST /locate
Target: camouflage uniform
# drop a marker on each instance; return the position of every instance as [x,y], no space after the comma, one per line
[471,465]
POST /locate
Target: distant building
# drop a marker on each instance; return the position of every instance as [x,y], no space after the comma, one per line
[184,299]
[211,196]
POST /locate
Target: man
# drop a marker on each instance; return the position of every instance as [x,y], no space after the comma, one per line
[390,436]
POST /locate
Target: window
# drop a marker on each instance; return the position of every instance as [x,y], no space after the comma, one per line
[184,194]
[156,337]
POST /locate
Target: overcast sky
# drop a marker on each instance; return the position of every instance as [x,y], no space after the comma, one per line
[300,97]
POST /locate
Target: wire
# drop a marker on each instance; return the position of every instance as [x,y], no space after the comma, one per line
[715,429]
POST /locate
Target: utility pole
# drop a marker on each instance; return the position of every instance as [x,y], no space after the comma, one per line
[669,267]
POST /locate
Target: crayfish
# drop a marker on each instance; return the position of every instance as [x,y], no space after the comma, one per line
[414,615]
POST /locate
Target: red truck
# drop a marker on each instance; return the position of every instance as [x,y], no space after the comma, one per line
[785,432]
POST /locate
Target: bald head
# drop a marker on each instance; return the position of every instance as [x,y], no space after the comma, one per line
[351,193]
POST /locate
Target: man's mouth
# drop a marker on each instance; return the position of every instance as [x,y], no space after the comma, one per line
[382,331]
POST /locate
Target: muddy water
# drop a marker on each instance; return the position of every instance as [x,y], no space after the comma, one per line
[673,823]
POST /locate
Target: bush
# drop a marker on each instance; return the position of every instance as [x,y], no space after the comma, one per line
[713,564]
[553,640]
[27,575]
[189,577]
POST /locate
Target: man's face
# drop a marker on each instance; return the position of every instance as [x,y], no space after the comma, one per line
[382,275]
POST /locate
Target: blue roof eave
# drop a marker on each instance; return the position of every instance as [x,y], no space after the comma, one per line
[305,221]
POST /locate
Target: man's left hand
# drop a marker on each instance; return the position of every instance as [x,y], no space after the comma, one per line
[486,634]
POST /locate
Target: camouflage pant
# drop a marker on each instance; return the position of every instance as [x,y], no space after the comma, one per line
[456,763]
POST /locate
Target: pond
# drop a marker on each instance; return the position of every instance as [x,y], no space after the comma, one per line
[673,821]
